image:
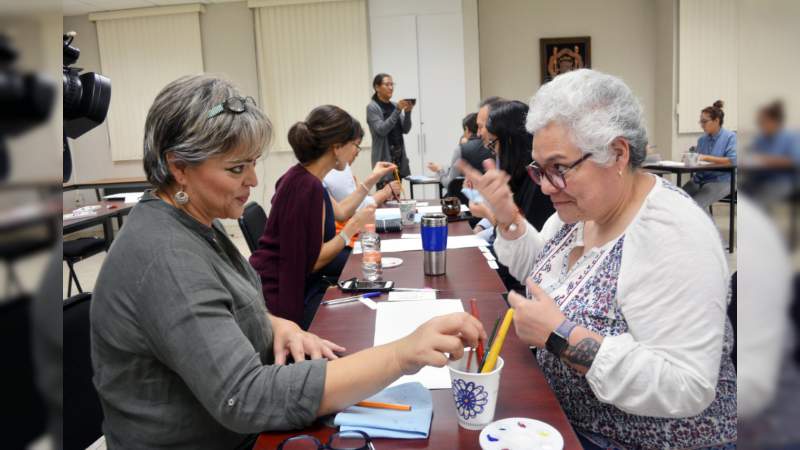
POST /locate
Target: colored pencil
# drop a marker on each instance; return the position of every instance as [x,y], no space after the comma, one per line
[469,359]
[497,345]
[489,342]
[381,405]
[473,309]
[397,177]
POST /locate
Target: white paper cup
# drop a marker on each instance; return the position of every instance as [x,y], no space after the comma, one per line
[408,208]
[691,158]
[475,394]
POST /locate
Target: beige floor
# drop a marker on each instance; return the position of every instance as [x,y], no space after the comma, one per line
[88,269]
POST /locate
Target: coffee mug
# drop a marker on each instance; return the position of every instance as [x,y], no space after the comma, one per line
[451,206]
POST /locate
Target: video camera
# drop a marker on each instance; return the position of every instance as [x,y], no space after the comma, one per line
[86,99]
[26,100]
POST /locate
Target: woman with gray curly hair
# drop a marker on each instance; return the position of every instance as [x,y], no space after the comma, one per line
[627,282]
[184,352]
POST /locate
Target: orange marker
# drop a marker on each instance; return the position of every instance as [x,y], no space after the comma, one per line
[382,405]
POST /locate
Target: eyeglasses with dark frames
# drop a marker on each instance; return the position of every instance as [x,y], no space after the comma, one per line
[554,174]
[342,440]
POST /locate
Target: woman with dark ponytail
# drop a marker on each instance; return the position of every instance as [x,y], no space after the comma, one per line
[717,146]
[300,244]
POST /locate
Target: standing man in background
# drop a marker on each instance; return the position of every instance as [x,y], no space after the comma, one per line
[388,122]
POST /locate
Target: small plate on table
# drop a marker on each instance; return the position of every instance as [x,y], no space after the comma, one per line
[387,262]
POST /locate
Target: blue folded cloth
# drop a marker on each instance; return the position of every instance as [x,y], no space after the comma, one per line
[388,423]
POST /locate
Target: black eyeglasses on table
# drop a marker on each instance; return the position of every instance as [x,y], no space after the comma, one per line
[554,174]
[342,440]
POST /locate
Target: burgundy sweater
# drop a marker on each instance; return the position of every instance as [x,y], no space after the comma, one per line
[291,242]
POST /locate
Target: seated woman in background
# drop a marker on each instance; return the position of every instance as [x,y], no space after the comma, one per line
[775,151]
[300,244]
[511,142]
[185,355]
[628,282]
[342,183]
[717,146]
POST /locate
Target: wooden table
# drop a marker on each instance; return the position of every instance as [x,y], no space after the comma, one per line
[680,170]
[139,183]
[102,216]
[524,392]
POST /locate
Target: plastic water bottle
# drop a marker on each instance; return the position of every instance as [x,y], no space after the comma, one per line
[371,253]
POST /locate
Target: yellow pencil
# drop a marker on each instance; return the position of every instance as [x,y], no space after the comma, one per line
[382,405]
[497,345]
[397,177]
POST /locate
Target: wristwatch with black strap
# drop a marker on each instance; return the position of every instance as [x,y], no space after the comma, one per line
[558,341]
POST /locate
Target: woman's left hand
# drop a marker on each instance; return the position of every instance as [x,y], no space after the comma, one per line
[481,210]
[288,338]
[536,318]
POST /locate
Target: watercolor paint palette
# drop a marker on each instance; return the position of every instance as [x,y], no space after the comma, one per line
[517,433]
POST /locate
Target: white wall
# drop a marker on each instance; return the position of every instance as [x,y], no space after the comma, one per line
[769,59]
[623,43]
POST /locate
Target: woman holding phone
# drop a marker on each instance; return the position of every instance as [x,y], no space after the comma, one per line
[388,122]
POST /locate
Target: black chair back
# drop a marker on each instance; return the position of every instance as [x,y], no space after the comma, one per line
[252,223]
[83,415]
[26,417]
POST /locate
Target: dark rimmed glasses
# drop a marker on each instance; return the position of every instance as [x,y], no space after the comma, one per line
[236,105]
[342,440]
[554,174]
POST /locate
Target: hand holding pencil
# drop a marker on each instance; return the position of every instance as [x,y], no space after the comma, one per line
[397,178]
[535,318]
[427,345]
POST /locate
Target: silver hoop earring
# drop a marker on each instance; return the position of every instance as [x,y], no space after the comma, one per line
[181,197]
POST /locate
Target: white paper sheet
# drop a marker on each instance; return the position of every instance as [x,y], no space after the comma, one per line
[397,320]
[128,197]
[395,296]
[407,245]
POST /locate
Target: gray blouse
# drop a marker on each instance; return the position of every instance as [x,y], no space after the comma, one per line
[181,342]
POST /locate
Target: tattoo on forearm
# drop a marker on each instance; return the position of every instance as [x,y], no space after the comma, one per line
[583,353]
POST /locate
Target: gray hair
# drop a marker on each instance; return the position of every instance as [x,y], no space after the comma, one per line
[178,123]
[596,108]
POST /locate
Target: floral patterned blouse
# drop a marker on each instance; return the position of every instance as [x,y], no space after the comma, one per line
[658,293]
